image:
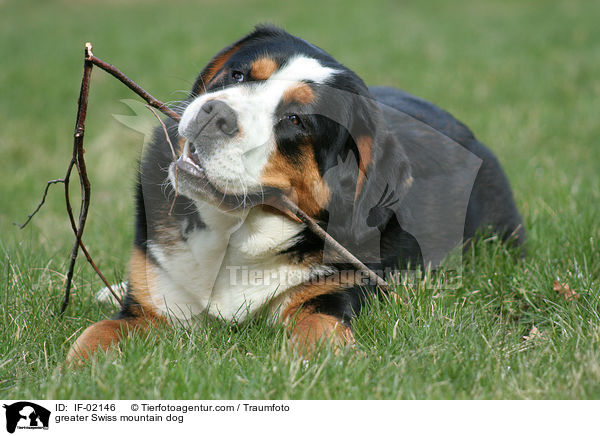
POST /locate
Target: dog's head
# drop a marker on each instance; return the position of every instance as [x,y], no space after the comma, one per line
[271,114]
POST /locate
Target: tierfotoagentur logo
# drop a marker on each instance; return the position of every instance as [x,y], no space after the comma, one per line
[243,275]
[24,415]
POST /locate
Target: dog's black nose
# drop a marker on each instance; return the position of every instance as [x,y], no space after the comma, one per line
[214,119]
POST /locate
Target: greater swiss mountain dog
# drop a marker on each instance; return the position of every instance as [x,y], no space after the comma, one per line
[393,178]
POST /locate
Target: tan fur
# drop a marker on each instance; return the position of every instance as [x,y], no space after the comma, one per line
[303,293]
[262,68]
[104,334]
[299,180]
[142,279]
[312,329]
[301,93]
[214,68]
[309,328]
[101,335]
[364,144]
[180,145]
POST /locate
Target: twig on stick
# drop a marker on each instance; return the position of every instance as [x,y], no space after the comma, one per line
[40,204]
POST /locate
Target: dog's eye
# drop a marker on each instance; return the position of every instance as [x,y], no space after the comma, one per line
[238,76]
[295,120]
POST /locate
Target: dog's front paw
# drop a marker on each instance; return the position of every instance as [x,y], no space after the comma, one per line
[310,331]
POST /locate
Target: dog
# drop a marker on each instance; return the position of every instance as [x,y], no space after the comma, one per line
[394,179]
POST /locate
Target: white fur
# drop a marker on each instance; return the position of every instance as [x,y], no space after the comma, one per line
[196,276]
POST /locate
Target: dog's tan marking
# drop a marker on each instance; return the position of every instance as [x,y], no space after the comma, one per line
[300,180]
[311,329]
[364,145]
[142,279]
[103,335]
[214,68]
[308,327]
[300,93]
[262,68]
[180,145]
[302,294]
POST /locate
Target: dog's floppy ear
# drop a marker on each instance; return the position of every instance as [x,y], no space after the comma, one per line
[375,177]
[210,73]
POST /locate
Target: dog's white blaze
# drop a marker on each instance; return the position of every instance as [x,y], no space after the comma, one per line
[236,165]
[196,275]
[302,68]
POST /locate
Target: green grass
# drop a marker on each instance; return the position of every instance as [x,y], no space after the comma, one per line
[523,76]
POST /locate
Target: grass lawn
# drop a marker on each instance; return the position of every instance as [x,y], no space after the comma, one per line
[522,75]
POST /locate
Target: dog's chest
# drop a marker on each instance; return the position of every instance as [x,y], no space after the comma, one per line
[230,268]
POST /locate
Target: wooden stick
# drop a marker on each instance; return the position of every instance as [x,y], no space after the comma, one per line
[339,248]
[310,223]
[114,71]
[78,161]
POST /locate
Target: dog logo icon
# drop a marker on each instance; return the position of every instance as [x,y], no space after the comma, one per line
[26,415]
